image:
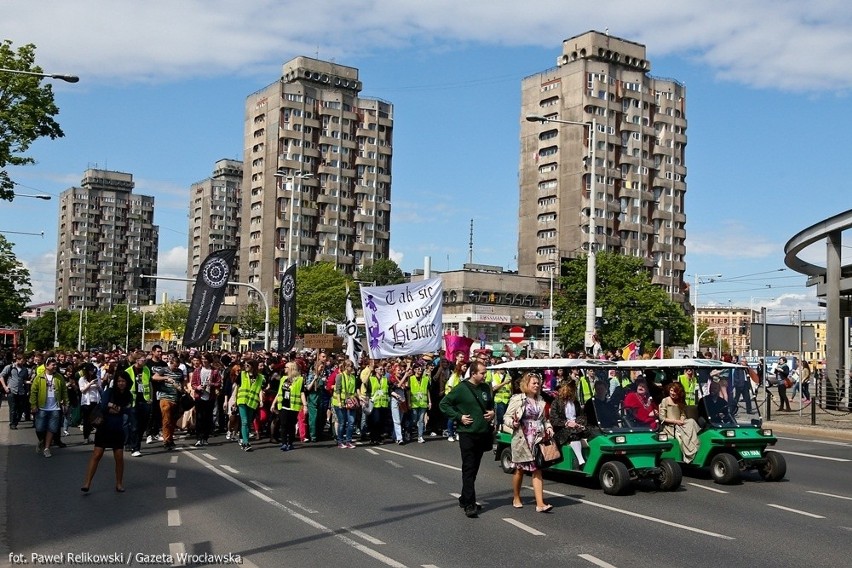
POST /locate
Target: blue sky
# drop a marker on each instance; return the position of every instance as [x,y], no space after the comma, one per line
[163,86]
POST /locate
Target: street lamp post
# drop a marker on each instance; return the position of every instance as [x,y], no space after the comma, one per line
[66,78]
[55,327]
[282,173]
[550,343]
[698,281]
[591,257]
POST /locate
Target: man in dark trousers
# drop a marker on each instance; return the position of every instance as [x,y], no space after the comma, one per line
[471,404]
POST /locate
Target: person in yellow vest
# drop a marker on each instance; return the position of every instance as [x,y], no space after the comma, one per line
[289,401]
[48,401]
[421,398]
[379,393]
[344,401]
[689,381]
[248,399]
[501,386]
[583,386]
[140,389]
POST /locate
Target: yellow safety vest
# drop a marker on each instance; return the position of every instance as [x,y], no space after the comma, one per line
[249,393]
[379,392]
[295,391]
[419,391]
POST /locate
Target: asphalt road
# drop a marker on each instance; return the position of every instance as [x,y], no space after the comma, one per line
[396,506]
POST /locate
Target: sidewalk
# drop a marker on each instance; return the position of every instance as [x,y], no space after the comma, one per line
[834,424]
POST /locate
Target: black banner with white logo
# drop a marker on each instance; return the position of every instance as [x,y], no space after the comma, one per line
[287,311]
[210,286]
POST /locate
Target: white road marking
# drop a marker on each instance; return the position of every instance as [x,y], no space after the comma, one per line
[814,456]
[302,507]
[261,485]
[830,495]
[523,527]
[805,513]
[707,488]
[210,457]
[174,517]
[457,495]
[424,460]
[229,468]
[394,464]
[640,516]
[173,459]
[372,451]
[596,561]
[248,563]
[177,549]
[425,479]
[827,442]
[171,474]
[171,492]
[299,516]
[365,536]
[428,566]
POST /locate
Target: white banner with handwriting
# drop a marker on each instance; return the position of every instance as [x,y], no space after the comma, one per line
[403,319]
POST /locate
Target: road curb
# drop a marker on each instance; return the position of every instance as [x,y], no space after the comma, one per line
[831,433]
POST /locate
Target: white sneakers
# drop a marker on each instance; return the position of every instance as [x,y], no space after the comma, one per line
[451,438]
[420,440]
[228,435]
[149,440]
[199,443]
[136,454]
[47,453]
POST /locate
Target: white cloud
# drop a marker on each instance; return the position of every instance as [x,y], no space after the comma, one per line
[172,263]
[42,270]
[732,240]
[787,44]
[396,256]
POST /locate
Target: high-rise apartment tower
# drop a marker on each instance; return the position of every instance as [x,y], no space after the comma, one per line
[317,180]
[107,239]
[638,174]
[214,217]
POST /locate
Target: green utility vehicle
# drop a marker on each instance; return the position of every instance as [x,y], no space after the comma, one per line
[617,451]
[726,447]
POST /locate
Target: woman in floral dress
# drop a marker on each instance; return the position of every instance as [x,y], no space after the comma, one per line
[525,415]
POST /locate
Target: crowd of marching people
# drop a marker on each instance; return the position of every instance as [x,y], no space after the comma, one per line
[298,398]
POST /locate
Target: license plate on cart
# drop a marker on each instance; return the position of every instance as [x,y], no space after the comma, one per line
[750,453]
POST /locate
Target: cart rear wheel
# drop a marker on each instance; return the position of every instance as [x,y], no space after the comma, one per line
[725,469]
[614,478]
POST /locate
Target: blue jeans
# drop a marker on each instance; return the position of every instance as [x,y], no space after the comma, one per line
[345,424]
[500,412]
[418,415]
[398,420]
[48,420]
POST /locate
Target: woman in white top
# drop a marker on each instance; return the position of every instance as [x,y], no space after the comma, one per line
[90,395]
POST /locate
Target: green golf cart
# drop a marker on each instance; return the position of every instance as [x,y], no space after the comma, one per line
[726,447]
[617,452]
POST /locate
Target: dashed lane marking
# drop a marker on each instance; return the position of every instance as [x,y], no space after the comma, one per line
[813,456]
[523,527]
[174,517]
[798,512]
[210,457]
[424,460]
[394,464]
[302,507]
[171,492]
[260,485]
[230,469]
[713,489]
[172,473]
[173,459]
[425,479]
[596,561]
[177,551]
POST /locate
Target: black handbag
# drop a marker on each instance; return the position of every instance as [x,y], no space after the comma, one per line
[96,415]
[186,402]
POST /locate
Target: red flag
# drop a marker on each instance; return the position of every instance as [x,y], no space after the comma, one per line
[658,354]
[630,351]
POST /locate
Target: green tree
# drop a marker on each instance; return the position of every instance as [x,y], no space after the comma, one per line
[172,316]
[251,321]
[632,307]
[27,109]
[383,272]
[15,291]
[320,295]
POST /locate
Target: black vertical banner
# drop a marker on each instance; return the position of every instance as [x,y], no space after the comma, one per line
[210,286]
[287,311]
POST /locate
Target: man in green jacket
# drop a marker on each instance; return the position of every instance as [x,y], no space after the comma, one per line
[471,404]
[48,402]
